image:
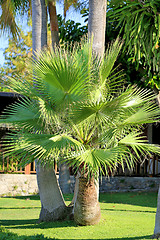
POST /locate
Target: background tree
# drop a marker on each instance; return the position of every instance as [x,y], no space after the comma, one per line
[52,203]
[17,52]
[11,8]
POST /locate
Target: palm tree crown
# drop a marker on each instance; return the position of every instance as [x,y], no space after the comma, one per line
[77,108]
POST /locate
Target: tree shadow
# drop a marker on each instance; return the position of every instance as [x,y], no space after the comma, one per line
[33,223]
[128,238]
[8,208]
[28,197]
[126,210]
[143,199]
[9,235]
[67,197]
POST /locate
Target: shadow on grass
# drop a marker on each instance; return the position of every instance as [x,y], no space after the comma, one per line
[5,234]
[30,197]
[67,197]
[9,208]
[9,235]
[126,210]
[143,199]
[33,223]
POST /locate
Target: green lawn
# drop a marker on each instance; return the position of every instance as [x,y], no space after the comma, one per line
[124,216]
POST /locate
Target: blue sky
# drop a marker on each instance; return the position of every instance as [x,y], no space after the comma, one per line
[72,14]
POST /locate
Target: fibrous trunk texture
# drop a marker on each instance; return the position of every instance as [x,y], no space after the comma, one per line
[87,208]
[53,205]
[97,24]
[157,220]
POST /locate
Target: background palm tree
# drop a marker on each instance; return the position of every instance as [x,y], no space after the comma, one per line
[79,112]
[52,203]
[11,8]
[97,24]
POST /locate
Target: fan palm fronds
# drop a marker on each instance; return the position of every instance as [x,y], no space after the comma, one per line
[72,111]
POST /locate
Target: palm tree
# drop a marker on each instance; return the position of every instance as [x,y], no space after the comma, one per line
[10,8]
[7,20]
[55,199]
[52,202]
[78,111]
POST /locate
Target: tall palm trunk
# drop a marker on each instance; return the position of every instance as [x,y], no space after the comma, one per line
[53,22]
[86,208]
[44,25]
[64,175]
[97,24]
[52,203]
[36,25]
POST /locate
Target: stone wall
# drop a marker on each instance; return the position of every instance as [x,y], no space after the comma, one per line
[126,184]
[20,184]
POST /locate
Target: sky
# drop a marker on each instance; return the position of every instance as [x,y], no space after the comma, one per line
[71,14]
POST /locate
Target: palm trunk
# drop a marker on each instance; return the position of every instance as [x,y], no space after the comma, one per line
[44,25]
[36,25]
[87,208]
[53,22]
[97,24]
[52,202]
[157,220]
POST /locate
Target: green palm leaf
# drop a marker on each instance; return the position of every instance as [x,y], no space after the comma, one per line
[71,111]
[66,78]
[139,144]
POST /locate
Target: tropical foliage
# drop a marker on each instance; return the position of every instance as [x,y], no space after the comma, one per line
[17,52]
[11,8]
[77,108]
[138,22]
[70,31]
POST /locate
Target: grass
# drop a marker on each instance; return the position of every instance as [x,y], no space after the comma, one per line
[127,216]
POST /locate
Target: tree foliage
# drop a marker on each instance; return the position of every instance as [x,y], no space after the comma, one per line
[11,8]
[77,109]
[17,53]
[70,31]
[138,22]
